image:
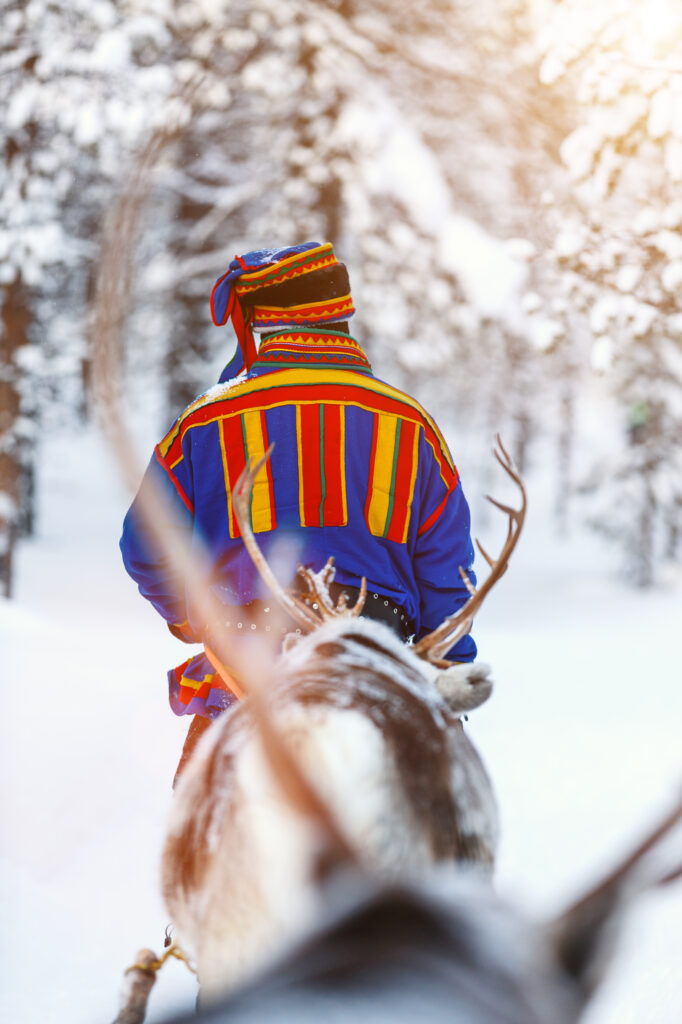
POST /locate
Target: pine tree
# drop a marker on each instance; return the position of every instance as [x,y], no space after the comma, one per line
[77,86]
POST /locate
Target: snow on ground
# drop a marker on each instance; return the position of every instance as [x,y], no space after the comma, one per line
[581,736]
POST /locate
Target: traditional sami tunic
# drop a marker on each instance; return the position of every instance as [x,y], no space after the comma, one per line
[359,471]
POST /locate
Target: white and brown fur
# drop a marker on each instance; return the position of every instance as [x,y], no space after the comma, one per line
[445,949]
[367,722]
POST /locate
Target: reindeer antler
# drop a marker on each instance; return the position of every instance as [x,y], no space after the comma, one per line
[580,931]
[433,646]
[310,609]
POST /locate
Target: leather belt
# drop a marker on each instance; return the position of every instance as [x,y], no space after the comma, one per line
[249,618]
[377,606]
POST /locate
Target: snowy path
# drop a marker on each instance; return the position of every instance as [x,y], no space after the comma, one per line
[582,738]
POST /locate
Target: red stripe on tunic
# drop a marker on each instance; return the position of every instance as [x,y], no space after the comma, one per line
[437,512]
[173,479]
[310,482]
[334,512]
[235,459]
[404,481]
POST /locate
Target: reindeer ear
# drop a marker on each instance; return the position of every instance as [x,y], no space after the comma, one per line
[464,687]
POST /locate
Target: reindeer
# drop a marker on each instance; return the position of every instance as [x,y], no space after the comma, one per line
[445,949]
[374,729]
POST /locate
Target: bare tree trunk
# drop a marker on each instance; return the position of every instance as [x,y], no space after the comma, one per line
[517,380]
[187,356]
[14,320]
[644,539]
[565,451]
[522,438]
[673,528]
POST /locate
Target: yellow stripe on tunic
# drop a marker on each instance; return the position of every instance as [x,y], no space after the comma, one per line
[261,507]
[380,484]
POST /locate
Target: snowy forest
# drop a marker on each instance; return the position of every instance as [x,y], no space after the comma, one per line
[501,177]
[503,180]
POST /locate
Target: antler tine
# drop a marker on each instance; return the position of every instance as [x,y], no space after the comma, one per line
[342,603]
[485,554]
[328,571]
[241,496]
[300,608]
[434,645]
[508,465]
[503,508]
[578,931]
[467,582]
[362,597]
[318,585]
[318,597]
[500,446]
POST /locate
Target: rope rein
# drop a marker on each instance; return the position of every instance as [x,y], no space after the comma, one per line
[155,965]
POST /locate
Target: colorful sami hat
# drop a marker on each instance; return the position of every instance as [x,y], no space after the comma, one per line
[238,289]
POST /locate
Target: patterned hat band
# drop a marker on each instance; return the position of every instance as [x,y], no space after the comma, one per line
[267,318]
[317,258]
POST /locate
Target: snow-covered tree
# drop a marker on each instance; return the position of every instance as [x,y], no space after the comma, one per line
[82,84]
[78,84]
[354,122]
[369,124]
[616,258]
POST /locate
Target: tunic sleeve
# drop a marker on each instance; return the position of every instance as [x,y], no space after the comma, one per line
[443,545]
[157,580]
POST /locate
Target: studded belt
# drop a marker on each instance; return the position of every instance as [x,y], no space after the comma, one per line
[377,606]
[251,617]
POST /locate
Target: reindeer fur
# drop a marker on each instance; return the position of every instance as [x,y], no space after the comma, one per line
[367,722]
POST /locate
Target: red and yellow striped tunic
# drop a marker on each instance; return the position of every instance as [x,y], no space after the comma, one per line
[359,471]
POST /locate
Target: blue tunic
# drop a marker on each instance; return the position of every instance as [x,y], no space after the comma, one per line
[359,471]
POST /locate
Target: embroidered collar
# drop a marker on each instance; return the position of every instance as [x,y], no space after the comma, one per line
[301,347]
